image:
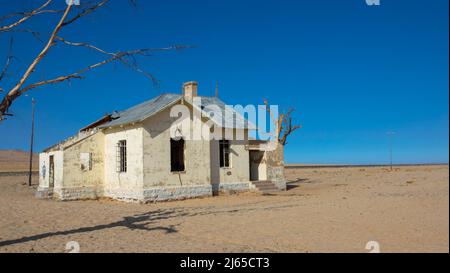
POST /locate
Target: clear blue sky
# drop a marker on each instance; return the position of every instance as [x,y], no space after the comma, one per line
[351,71]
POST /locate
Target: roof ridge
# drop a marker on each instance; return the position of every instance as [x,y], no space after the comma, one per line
[154,99]
[144,109]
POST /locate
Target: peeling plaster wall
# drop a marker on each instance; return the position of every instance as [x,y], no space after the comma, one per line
[74,176]
[275,167]
[239,170]
[157,172]
[126,185]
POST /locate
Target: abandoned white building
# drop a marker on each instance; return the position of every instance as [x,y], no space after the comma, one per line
[130,155]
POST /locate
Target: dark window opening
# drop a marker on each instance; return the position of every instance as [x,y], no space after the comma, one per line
[177,155]
[224,147]
[121,156]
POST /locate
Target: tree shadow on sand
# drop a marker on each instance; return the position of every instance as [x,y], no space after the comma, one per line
[146,221]
[136,222]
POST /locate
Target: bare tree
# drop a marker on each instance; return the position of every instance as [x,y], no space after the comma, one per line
[283,124]
[68,16]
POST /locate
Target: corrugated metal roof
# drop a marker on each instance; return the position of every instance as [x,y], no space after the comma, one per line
[143,110]
[227,118]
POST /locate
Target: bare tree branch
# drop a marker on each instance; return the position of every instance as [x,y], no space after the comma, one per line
[289,130]
[277,121]
[283,124]
[82,45]
[35,34]
[9,59]
[115,56]
[85,12]
[14,92]
[27,15]
[125,59]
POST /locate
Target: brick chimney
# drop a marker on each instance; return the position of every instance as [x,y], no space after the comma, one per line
[190,90]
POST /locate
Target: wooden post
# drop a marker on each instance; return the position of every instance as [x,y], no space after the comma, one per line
[33,102]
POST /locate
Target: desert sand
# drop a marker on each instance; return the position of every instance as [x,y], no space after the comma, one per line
[17,161]
[324,210]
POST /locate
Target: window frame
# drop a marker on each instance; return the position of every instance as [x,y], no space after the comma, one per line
[87,167]
[224,150]
[121,156]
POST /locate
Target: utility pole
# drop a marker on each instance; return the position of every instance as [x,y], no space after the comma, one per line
[33,102]
[390,135]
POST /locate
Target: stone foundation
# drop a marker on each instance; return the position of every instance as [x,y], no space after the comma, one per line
[124,195]
[281,185]
[78,193]
[147,195]
[277,177]
[44,193]
[238,186]
[176,193]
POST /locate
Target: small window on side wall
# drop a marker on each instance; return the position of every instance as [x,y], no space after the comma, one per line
[177,155]
[121,156]
[85,161]
[224,147]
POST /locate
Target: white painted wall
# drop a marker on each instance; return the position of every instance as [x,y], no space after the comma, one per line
[74,176]
[239,170]
[127,185]
[44,160]
[156,137]
[43,170]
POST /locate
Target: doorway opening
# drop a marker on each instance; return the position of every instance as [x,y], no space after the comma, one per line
[258,169]
[177,155]
[51,172]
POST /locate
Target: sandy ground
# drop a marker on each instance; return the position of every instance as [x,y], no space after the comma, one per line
[324,210]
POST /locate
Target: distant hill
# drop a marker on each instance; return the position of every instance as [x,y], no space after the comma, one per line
[17,161]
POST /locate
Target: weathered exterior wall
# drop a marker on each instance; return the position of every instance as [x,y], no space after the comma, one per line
[124,185]
[201,163]
[44,160]
[87,183]
[239,170]
[237,176]
[44,189]
[153,194]
[194,181]
[275,167]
